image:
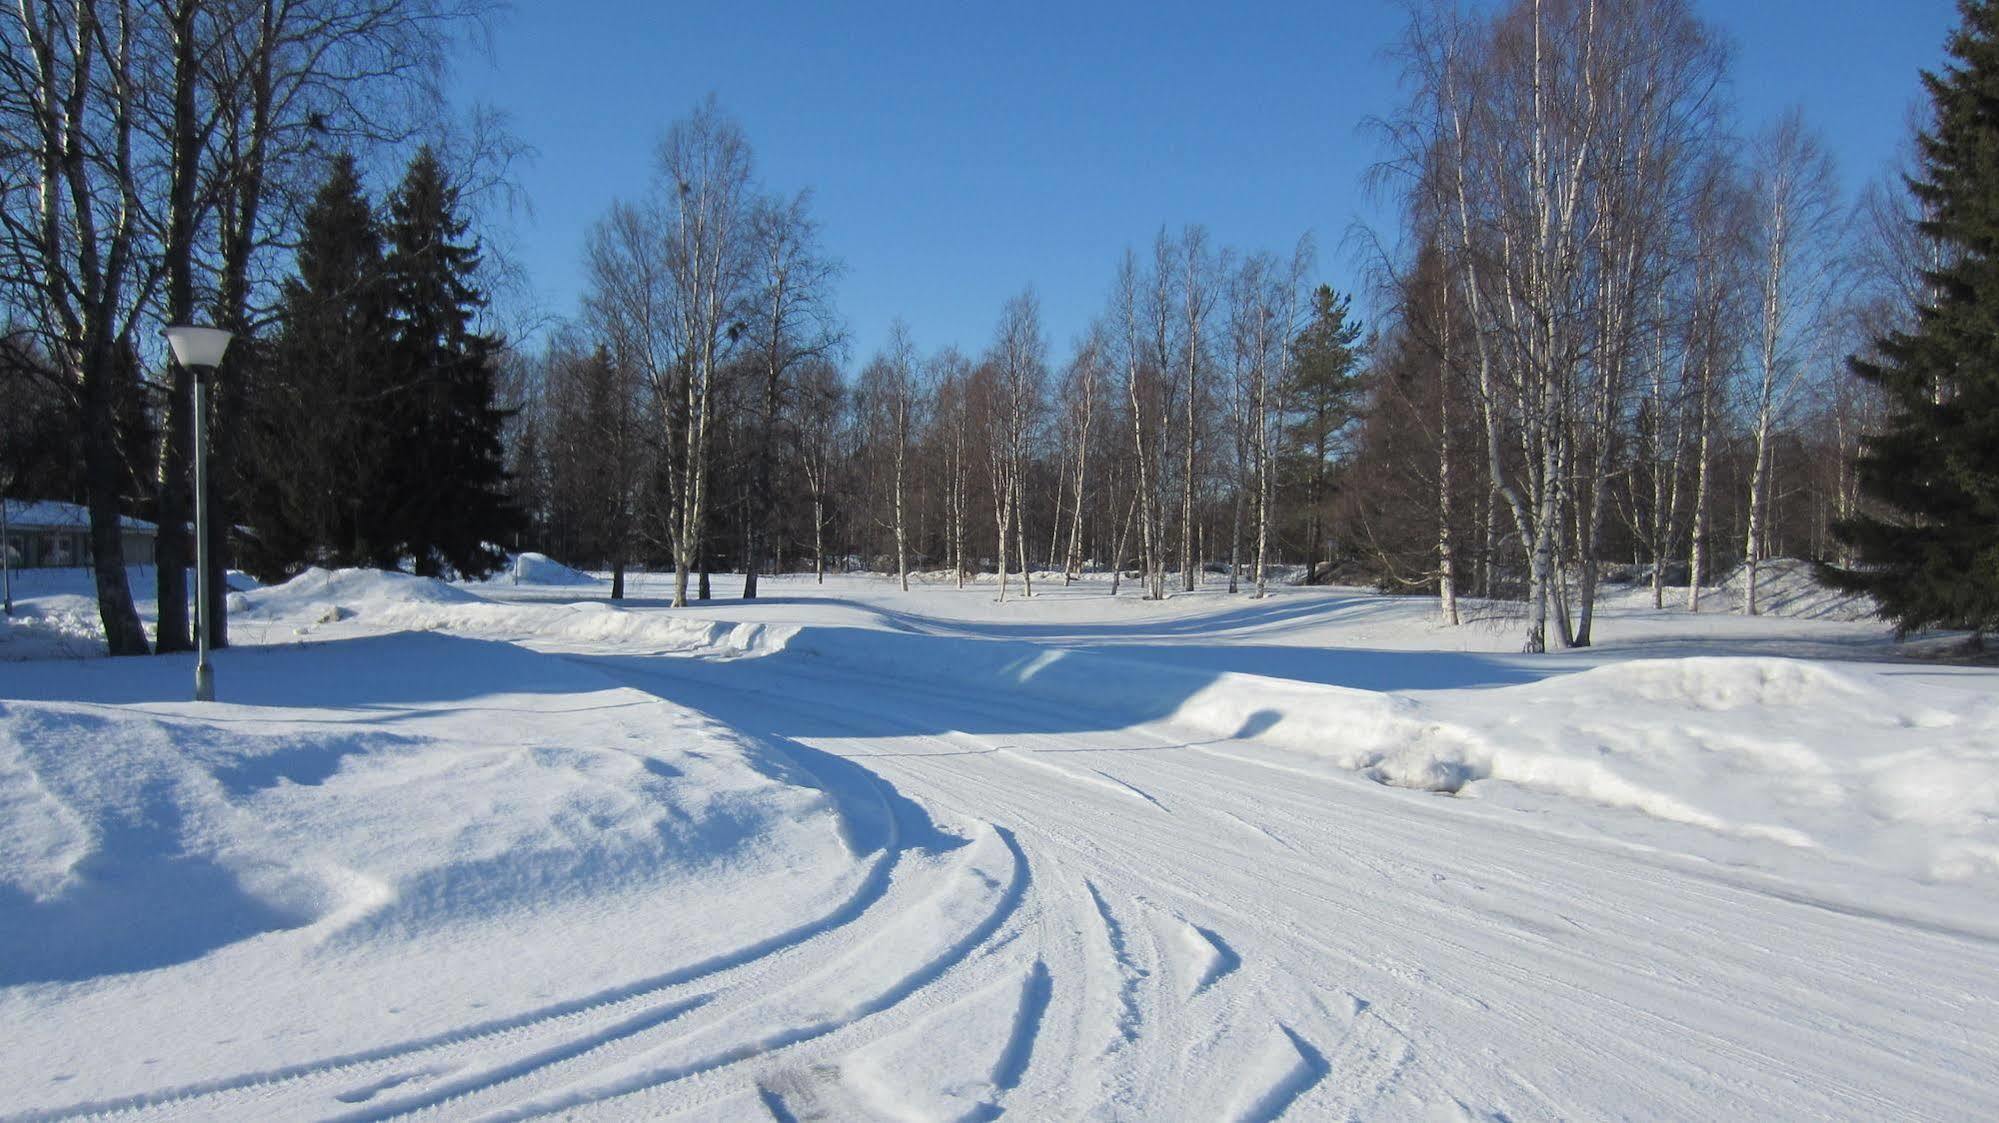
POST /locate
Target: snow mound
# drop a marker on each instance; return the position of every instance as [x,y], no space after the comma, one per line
[53,626]
[1790,587]
[539,569]
[1751,748]
[355,590]
[133,841]
[1707,683]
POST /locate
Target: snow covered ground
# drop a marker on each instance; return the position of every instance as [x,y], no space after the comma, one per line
[502,850]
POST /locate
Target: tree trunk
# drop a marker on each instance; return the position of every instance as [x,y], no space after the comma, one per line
[1117,556]
[103,470]
[1020,532]
[901,524]
[1697,538]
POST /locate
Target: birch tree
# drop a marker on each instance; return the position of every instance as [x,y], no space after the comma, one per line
[1793,193]
[1018,365]
[795,323]
[703,196]
[75,258]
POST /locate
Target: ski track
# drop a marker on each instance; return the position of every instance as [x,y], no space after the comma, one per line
[1152,975]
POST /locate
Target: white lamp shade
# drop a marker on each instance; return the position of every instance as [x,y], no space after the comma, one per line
[198,346]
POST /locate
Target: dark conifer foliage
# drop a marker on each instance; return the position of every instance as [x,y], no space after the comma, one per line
[316,451]
[445,496]
[1929,550]
[1325,392]
[375,439]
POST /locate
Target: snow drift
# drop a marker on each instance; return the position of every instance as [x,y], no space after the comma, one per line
[1775,750]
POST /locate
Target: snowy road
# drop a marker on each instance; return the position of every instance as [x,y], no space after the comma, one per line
[1059,915]
[1180,931]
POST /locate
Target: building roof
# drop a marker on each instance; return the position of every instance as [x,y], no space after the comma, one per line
[52,514]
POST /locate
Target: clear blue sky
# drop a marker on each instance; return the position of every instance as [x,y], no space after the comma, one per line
[959,153]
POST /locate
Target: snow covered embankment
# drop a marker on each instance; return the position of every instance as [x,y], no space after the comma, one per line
[1762,749]
[398,602]
[1769,750]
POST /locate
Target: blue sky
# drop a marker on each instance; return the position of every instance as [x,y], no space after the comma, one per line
[960,153]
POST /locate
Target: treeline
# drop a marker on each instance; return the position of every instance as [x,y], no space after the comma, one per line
[696,413]
[1612,340]
[1619,329]
[161,158]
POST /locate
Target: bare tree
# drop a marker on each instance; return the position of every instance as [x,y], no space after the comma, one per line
[1018,365]
[795,324]
[819,405]
[1079,395]
[1198,295]
[1794,194]
[1146,402]
[75,259]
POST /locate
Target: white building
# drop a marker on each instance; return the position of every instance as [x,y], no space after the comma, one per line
[51,534]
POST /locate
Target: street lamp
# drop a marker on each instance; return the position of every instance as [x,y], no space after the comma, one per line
[200,349]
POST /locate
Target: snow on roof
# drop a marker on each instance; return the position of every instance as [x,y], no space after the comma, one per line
[52,514]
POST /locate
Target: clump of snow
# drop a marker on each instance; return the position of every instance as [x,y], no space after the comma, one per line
[331,594]
[53,626]
[531,568]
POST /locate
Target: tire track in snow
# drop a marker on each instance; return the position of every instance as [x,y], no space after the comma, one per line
[623,1033]
[1305,1067]
[1095,777]
[1015,890]
[389,1065]
[1547,846]
[1214,955]
[1035,994]
[1130,1017]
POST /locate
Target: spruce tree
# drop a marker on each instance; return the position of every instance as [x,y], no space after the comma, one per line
[1928,547]
[449,502]
[313,442]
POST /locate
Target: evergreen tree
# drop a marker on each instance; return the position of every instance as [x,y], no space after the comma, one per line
[1928,552]
[1325,386]
[314,446]
[448,503]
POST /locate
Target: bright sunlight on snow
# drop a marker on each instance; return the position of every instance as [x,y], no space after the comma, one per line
[506,849]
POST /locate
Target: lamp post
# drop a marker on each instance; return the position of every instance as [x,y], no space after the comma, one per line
[200,349]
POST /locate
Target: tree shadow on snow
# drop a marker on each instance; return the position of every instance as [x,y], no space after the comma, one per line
[136,903]
[368,673]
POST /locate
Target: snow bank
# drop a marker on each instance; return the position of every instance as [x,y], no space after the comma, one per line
[1786,587]
[1773,750]
[539,569]
[1776,750]
[355,590]
[372,840]
[53,626]
[1790,587]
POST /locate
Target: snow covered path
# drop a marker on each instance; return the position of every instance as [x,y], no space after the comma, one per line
[1197,934]
[1056,911]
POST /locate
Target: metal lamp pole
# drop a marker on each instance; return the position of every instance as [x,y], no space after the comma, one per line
[6,560]
[200,350]
[204,675]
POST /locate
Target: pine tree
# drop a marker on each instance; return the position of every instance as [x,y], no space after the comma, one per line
[1928,551]
[313,443]
[448,505]
[1324,390]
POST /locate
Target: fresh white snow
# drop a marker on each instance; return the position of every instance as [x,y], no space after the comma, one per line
[501,850]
